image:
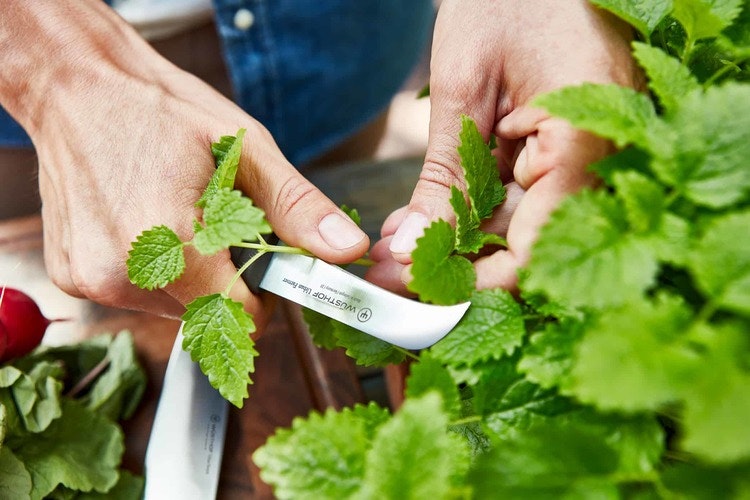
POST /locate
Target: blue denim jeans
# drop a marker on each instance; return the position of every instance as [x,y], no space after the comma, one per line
[312,71]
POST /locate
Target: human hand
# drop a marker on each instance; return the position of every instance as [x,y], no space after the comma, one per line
[489,60]
[123,142]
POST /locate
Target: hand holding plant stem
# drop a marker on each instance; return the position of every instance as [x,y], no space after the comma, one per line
[489,61]
[123,144]
[217,329]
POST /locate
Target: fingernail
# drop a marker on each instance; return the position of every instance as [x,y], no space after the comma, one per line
[340,232]
[405,238]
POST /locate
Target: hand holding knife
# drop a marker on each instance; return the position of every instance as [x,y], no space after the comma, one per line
[186,444]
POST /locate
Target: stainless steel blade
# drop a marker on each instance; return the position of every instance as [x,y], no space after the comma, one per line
[341,295]
[184,451]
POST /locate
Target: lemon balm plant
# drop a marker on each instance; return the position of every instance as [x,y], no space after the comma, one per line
[624,369]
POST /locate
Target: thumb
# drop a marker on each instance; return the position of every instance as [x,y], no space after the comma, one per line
[300,214]
[441,170]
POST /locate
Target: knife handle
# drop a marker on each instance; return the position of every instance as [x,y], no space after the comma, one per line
[254,274]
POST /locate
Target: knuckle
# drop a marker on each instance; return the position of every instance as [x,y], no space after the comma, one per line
[59,274]
[293,193]
[97,284]
[438,173]
[62,281]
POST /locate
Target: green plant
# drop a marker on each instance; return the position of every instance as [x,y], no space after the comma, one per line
[624,370]
[59,413]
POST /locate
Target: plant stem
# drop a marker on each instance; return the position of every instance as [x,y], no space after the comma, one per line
[406,352]
[687,54]
[242,269]
[89,377]
[466,420]
[265,247]
[708,310]
[731,65]
[672,197]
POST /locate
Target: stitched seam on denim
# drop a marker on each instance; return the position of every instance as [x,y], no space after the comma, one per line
[271,59]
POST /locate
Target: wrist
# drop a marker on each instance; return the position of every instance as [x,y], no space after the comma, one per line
[50,49]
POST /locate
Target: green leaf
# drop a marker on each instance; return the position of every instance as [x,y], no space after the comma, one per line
[668,78]
[705,18]
[469,238]
[117,392]
[720,262]
[320,328]
[80,450]
[586,257]
[227,155]
[78,358]
[719,60]
[708,160]
[492,328]
[717,401]
[3,422]
[483,183]
[11,420]
[322,456]
[15,480]
[511,404]
[128,487]
[365,349]
[706,482]
[36,395]
[672,240]
[353,214]
[630,158]
[644,200]
[548,357]
[465,223]
[156,258]
[635,358]
[9,375]
[372,416]
[412,456]
[638,440]
[610,111]
[229,218]
[217,335]
[644,15]
[548,462]
[738,34]
[438,275]
[430,375]
[576,454]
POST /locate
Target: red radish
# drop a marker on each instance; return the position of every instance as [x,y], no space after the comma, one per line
[22,324]
[3,341]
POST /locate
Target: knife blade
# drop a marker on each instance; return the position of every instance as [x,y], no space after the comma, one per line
[184,451]
[345,297]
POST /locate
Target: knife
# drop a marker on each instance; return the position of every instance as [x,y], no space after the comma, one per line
[183,457]
[184,452]
[345,297]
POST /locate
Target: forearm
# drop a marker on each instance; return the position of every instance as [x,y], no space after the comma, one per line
[51,48]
